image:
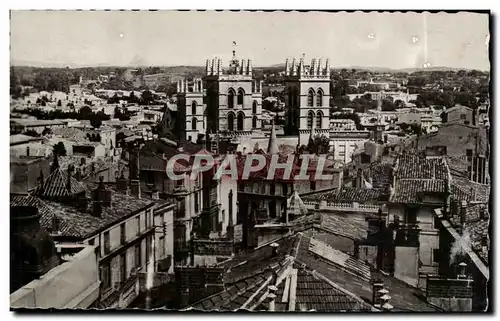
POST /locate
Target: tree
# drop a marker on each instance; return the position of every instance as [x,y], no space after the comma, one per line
[318,145]
[31,133]
[46,131]
[147,97]
[59,149]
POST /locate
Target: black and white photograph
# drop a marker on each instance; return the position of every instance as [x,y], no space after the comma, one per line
[253,160]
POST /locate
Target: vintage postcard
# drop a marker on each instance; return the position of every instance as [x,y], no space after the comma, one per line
[266,161]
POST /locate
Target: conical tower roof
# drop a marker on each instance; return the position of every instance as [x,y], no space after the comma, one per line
[272,148]
[296,206]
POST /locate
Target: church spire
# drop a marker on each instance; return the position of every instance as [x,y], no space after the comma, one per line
[272,148]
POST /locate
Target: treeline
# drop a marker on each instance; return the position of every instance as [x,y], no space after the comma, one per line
[85,113]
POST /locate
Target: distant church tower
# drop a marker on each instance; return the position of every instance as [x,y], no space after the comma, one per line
[308,98]
[233,97]
[190,109]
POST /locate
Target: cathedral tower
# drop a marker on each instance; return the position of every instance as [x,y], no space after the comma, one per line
[234,98]
[308,98]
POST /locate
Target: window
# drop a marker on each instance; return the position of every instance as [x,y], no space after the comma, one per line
[436,223]
[319,98]
[230,98]
[137,255]
[319,118]
[123,267]
[463,116]
[241,95]
[123,237]
[107,244]
[194,123]
[313,186]
[254,122]
[310,119]
[230,121]
[254,107]
[161,245]
[91,241]
[193,108]
[196,202]
[273,189]
[435,255]
[106,276]
[138,225]
[240,121]
[150,178]
[310,98]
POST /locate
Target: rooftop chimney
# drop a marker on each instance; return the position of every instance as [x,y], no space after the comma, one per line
[378,285]
[462,270]
[121,184]
[100,198]
[463,212]
[70,172]
[272,289]
[482,212]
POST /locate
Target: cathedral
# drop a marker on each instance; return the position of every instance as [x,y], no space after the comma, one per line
[226,106]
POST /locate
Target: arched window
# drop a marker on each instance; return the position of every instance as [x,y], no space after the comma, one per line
[319,98]
[319,119]
[310,98]
[254,122]
[310,119]
[230,98]
[230,121]
[254,107]
[240,121]
[241,94]
[193,108]
[194,122]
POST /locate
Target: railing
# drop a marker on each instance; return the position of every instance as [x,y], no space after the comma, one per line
[354,207]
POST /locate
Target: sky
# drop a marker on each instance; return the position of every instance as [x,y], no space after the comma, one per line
[168,38]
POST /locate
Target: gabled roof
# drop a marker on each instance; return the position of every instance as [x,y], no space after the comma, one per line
[56,185]
[308,274]
[296,206]
[415,175]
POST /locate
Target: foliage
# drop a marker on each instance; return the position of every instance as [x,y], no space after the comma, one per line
[412,129]
[59,149]
[318,145]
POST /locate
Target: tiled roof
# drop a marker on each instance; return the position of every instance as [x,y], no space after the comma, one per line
[84,224]
[56,185]
[345,195]
[465,189]
[70,133]
[344,225]
[411,166]
[477,228]
[408,190]
[478,231]
[403,296]
[315,293]
[235,296]
[48,214]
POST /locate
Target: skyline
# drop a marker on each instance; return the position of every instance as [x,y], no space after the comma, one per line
[173,38]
